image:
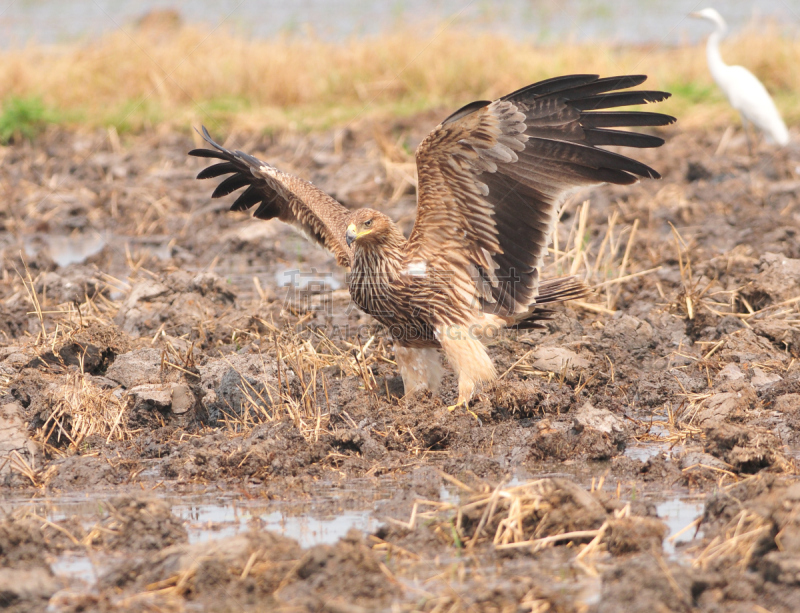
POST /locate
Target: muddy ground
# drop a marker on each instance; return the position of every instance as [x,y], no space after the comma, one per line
[195,418]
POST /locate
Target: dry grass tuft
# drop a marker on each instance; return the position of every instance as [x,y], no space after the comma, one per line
[80,408]
[604,263]
[737,543]
[303,357]
[531,516]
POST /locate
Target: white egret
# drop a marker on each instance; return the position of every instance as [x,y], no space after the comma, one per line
[742,88]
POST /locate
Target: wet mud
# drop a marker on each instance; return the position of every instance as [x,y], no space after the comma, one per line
[194,417]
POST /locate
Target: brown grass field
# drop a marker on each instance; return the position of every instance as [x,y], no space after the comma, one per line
[190,75]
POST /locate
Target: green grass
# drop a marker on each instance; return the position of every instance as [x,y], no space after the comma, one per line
[695,92]
[23,118]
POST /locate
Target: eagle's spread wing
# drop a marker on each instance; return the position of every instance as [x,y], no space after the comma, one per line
[493,176]
[280,195]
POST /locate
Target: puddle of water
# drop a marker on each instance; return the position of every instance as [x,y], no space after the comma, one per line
[677,514]
[309,531]
[66,249]
[208,522]
[204,522]
[450,494]
[645,451]
[75,567]
[76,248]
[659,430]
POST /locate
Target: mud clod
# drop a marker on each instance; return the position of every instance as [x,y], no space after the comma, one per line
[140,524]
[643,584]
[747,450]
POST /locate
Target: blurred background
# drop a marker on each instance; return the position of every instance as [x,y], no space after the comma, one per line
[315,64]
[621,21]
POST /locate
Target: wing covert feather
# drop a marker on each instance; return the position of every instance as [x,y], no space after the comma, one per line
[493,177]
[291,199]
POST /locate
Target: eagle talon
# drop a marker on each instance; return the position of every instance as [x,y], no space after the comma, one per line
[465,403]
[453,407]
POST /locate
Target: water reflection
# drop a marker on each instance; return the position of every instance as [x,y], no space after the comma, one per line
[678,513]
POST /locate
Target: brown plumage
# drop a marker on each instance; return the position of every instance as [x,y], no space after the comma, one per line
[492,179]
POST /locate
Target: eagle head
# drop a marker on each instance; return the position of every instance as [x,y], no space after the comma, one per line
[369,227]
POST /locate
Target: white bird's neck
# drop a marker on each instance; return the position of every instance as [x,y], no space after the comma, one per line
[715,63]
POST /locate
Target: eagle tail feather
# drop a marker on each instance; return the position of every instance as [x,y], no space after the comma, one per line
[551,291]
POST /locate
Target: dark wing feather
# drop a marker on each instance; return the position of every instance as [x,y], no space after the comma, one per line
[493,177]
[280,195]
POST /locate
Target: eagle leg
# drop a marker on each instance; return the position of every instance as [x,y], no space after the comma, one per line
[468,357]
[421,368]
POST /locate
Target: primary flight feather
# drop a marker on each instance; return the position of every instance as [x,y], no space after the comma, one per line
[492,179]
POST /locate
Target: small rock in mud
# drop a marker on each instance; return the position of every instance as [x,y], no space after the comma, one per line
[555,359]
[137,368]
[182,398]
[730,372]
[603,420]
[693,458]
[725,406]
[237,383]
[763,379]
[151,396]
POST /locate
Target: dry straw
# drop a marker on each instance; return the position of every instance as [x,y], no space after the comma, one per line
[191,75]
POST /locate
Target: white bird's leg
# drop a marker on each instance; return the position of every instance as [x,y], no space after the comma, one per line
[421,369]
[745,125]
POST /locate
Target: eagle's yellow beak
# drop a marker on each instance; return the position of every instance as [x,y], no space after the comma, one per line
[352,234]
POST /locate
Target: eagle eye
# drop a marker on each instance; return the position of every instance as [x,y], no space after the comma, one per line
[368,223]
